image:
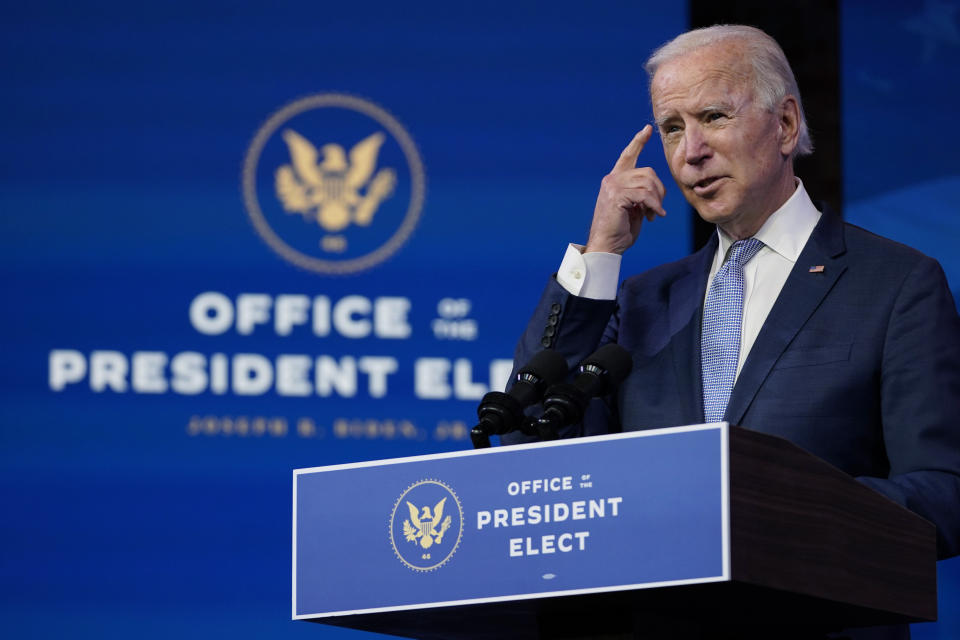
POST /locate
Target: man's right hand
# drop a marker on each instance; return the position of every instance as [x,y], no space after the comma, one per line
[627,196]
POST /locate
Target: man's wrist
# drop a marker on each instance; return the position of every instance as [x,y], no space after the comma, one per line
[594,246]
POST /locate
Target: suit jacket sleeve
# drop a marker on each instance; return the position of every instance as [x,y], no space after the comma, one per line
[920,397]
[575,327]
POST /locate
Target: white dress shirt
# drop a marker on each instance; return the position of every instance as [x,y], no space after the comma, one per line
[595,275]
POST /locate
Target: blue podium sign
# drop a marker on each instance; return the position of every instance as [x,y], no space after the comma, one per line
[624,511]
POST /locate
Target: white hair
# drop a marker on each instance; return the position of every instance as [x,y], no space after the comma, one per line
[772,76]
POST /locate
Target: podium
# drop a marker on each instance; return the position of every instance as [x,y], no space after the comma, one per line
[685,528]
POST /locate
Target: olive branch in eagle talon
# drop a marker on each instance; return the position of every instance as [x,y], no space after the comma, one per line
[330,191]
[426,527]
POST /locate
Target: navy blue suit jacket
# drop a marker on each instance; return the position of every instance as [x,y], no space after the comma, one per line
[858,364]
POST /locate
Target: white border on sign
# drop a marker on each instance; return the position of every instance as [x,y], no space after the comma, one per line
[293,590]
[725,496]
[724,428]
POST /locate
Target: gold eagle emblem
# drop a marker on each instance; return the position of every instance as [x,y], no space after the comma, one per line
[337,191]
[427,528]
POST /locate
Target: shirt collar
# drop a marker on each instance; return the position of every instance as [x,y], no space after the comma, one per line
[787,229]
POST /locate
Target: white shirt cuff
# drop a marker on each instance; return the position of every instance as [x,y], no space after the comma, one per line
[591,275]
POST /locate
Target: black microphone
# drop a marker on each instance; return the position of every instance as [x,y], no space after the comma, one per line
[501,412]
[566,403]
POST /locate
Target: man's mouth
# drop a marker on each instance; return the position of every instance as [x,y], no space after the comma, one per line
[707,186]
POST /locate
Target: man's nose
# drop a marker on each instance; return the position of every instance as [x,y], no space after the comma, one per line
[695,145]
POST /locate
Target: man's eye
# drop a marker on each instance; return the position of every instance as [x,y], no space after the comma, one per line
[714,116]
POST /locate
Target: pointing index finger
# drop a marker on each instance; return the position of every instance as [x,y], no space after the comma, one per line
[628,158]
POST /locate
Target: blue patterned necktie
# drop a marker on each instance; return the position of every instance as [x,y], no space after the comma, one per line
[720,339]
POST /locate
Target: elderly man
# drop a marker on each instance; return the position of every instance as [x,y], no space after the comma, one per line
[789,321]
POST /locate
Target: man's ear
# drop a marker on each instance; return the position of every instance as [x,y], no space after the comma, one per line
[788,130]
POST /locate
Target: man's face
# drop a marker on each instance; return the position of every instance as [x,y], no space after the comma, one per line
[724,150]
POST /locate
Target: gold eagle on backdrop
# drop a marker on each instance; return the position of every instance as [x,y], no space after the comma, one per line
[426,527]
[338,190]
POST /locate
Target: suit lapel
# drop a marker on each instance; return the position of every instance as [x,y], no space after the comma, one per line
[685,309]
[801,295]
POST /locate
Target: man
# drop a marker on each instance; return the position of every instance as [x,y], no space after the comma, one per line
[789,321]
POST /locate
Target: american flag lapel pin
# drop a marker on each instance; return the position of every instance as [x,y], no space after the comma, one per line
[817,269]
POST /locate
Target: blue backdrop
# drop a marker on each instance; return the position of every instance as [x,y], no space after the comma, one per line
[186,321]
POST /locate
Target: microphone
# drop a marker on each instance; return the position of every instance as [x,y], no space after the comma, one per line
[502,412]
[566,403]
